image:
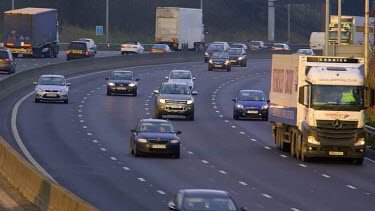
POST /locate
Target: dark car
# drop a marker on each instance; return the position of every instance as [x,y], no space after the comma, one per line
[7,62]
[203,199]
[79,50]
[122,82]
[238,56]
[250,103]
[211,49]
[219,60]
[155,136]
[174,99]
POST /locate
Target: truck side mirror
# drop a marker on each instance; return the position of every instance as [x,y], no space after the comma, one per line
[303,95]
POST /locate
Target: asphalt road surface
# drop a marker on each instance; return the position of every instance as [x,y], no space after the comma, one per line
[84,146]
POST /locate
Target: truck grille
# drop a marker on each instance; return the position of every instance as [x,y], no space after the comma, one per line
[182,102]
[327,132]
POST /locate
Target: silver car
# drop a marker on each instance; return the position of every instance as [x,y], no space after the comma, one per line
[181,76]
[52,88]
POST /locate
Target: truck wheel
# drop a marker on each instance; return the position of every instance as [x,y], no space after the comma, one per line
[293,143]
[55,51]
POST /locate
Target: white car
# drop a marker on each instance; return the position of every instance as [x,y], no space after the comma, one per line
[51,88]
[181,76]
[308,52]
[90,43]
[131,47]
[280,47]
[160,48]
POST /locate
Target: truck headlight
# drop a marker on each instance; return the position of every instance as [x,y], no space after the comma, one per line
[162,100]
[132,84]
[189,102]
[239,105]
[312,140]
[264,107]
[142,140]
[360,142]
[175,141]
[111,84]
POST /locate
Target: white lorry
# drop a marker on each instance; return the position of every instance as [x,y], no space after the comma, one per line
[317,106]
[180,28]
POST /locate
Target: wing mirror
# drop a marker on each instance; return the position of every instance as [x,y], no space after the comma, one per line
[68,84]
[137,79]
[166,77]
[194,93]
[133,130]
[234,99]
[193,79]
[178,132]
[35,83]
[172,206]
[156,92]
[106,79]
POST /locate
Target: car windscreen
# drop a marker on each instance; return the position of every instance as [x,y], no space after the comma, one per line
[251,96]
[156,127]
[175,89]
[121,76]
[4,54]
[234,51]
[236,46]
[208,203]
[180,75]
[78,46]
[58,81]
[255,43]
[219,56]
[130,42]
[215,48]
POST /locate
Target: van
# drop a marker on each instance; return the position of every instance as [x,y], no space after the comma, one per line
[317,40]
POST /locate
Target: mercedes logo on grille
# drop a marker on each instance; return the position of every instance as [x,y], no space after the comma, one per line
[337,124]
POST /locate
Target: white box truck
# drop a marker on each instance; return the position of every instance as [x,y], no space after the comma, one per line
[317,106]
[180,28]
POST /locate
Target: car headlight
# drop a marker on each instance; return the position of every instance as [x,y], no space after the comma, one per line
[206,54]
[312,140]
[111,84]
[142,140]
[360,142]
[39,90]
[240,58]
[175,141]
[189,102]
[132,84]
[227,62]
[239,105]
[210,61]
[162,100]
[63,90]
[264,107]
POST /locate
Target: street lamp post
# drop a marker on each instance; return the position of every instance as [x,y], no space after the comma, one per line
[106,22]
[12,4]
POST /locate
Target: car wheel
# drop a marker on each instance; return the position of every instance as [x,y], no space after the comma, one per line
[176,155]
[190,117]
[66,101]
[229,69]
[131,149]
[205,61]
[209,69]
[358,161]
[37,100]
[136,153]
[108,93]
[122,52]
[235,116]
[135,93]
[245,64]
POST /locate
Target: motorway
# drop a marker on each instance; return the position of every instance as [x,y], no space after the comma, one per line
[84,146]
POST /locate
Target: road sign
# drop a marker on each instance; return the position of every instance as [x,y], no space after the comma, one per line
[99,30]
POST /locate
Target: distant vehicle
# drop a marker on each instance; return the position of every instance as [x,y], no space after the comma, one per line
[91,43]
[122,82]
[132,47]
[256,45]
[211,49]
[238,56]
[51,88]
[79,50]
[238,45]
[181,76]
[317,40]
[308,52]
[203,199]
[219,60]
[226,45]
[7,62]
[31,32]
[155,136]
[160,48]
[250,103]
[174,99]
[280,47]
[180,28]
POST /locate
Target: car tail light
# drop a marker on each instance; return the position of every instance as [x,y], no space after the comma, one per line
[273,48]
[135,46]
[86,53]
[6,60]
[283,49]
[164,51]
[122,46]
[259,46]
[152,50]
[67,52]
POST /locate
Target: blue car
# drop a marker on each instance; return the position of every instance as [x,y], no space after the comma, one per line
[250,104]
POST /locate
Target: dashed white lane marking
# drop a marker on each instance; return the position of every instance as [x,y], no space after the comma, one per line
[295,209]
[89,134]
[36,64]
[95,141]
[253,140]
[147,100]
[126,168]
[217,111]
[267,147]
[267,196]
[79,110]
[204,161]
[243,183]
[213,99]
[82,101]
[81,120]
[80,115]
[351,187]
[223,172]
[147,113]
[243,133]
[23,65]
[146,108]
[113,158]
[214,107]
[103,149]
[325,175]
[141,179]
[149,96]
[161,192]
[233,126]
[190,152]
[221,116]
[92,91]
[88,94]
[303,165]
[80,106]
[146,104]
[98,88]
[226,121]
[84,127]
[370,160]
[284,156]
[213,103]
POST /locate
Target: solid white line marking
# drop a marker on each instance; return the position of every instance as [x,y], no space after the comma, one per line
[95,141]
[325,175]
[103,149]
[161,192]
[113,158]
[223,172]
[267,196]
[303,165]
[204,161]
[267,147]
[126,168]
[370,160]
[253,140]
[89,134]
[141,179]
[352,187]
[243,133]
[233,126]
[243,183]
[284,156]
[190,152]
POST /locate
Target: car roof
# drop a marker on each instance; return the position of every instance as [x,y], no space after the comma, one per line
[181,71]
[57,76]
[155,120]
[250,90]
[203,192]
[78,41]
[173,83]
[122,71]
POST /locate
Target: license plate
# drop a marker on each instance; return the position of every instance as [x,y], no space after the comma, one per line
[51,95]
[121,88]
[174,106]
[158,146]
[218,65]
[335,153]
[15,50]
[77,52]
[252,112]
[232,60]
[128,47]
